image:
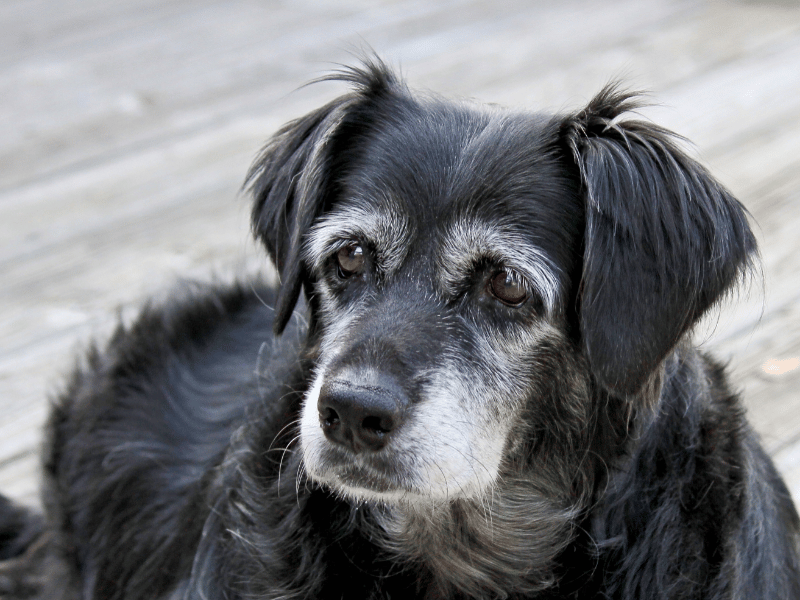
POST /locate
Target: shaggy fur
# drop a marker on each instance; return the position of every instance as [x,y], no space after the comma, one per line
[487,390]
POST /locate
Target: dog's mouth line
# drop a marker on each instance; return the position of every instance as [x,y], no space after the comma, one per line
[355,485]
[366,483]
[357,481]
[355,476]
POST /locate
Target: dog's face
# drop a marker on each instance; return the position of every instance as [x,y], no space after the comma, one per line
[478,278]
[441,276]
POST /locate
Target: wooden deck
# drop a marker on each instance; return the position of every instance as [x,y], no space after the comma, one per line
[126,129]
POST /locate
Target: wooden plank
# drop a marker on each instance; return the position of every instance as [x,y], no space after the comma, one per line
[189,66]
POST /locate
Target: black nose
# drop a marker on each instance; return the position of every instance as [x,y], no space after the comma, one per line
[361,415]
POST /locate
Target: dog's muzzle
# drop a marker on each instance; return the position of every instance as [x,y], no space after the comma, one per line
[361,413]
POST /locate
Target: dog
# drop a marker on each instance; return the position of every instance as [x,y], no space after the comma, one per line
[474,380]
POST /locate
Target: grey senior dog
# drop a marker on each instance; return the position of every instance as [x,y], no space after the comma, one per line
[475,380]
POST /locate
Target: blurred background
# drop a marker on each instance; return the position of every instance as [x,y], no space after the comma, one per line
[127,127]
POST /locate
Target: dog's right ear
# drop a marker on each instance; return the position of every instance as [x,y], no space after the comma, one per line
[292,181]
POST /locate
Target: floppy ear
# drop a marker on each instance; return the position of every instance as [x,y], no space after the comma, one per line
[663,240]
[292,180]
[289,183]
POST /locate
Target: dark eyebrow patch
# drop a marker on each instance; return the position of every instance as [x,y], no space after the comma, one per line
[385,231]
[470,242]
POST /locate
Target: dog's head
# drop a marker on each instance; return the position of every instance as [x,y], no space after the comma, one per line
[477,276]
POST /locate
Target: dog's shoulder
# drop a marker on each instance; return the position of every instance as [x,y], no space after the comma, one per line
[697,483]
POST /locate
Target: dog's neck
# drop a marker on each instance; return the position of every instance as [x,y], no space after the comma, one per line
[504,543]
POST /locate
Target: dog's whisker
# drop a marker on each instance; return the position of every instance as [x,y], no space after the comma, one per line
[283,456]
[289,425]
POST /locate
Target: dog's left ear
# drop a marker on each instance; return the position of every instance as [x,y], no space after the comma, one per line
[663,240]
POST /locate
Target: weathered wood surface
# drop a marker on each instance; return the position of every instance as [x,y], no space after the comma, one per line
[126,129]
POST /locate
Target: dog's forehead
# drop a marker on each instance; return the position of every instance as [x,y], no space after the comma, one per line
[443,157]
[442,163]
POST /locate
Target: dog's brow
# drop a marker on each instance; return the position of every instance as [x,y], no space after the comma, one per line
[468,242]
[385,231]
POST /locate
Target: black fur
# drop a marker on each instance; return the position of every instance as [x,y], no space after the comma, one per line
[179,464]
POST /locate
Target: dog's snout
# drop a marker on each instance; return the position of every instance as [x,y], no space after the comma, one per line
[358,416]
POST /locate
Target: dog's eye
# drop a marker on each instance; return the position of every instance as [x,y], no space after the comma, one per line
[507,286]
[350,260]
